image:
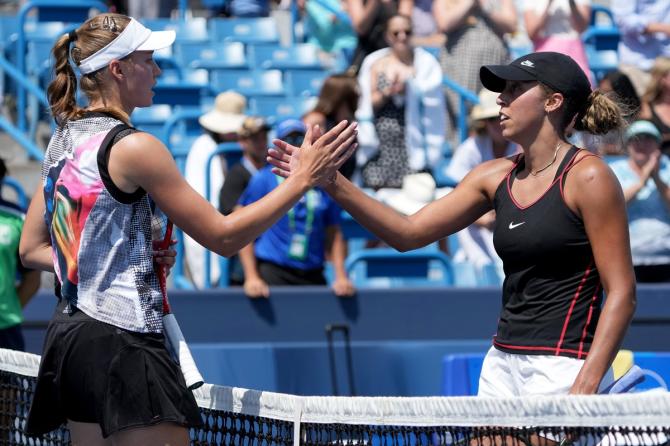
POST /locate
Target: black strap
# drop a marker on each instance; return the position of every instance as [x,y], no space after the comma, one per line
[103,166]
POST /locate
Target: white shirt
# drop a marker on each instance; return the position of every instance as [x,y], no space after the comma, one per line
[194,172]
[558,23]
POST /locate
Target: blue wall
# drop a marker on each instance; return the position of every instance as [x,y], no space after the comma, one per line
[398,336]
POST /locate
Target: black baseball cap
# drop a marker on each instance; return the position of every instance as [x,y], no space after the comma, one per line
[556,70]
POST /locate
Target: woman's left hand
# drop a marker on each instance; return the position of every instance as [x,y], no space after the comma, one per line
[165,257]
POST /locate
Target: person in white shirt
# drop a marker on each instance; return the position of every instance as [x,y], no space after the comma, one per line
[221,124]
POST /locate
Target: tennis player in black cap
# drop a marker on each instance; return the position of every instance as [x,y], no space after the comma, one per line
[560,230]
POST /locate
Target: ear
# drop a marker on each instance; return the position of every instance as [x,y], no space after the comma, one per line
[553,102]
[116,69]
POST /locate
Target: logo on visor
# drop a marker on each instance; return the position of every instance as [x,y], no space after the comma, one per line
[528,63]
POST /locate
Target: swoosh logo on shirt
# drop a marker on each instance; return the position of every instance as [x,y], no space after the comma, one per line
[513,225]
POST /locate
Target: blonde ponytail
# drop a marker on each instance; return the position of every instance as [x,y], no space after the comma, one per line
[601,115]
[96,33]
[62,91]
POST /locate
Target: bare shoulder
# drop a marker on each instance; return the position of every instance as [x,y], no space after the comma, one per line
[488,175]
[139,152]
[139,140]
[591,182]
[589,168]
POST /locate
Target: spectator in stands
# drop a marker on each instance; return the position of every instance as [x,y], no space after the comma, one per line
[253,138]
[17,283]
[474,30]
[424,27]
[645,35]
[560,229]
[221,124]
[328,27]
[293,251]
[151,9]
[617,84]
[656,101]
[556,25]
[338,100]
[486,143]
[369,19]
[645,178]
[401,93]
[254,142]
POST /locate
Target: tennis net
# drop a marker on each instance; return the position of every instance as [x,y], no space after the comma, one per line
[234,416]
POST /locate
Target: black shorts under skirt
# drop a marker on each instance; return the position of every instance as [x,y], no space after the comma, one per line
[93,372]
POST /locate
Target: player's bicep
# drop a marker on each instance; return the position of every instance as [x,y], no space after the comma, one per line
[456,210]
[599,200]
[142,160]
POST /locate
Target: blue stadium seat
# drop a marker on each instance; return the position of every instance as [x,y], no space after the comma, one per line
[601,41]
[460,373]
[207,55]
[277,108]
[249,83]
[601,62]
[19,194]
[213,4]
[168,65]
[151,119]
[305,82]
[189,90]
[383,267]
[194,29]
[440,175]
[246,30]
[299,56]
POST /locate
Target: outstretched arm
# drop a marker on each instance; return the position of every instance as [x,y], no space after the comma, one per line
[140,160]
[460,208]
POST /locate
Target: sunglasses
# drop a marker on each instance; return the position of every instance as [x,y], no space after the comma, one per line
[406,32]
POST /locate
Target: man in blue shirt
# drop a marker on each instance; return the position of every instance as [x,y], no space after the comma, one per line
[293,251]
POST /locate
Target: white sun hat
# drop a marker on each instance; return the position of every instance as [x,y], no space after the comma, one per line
[135,37]
[227,116]
[487,107]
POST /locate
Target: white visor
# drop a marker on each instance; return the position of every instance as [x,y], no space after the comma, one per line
[135,37]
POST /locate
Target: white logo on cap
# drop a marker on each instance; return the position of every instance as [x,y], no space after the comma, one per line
[528,63]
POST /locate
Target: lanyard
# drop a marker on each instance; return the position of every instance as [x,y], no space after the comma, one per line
[311,201]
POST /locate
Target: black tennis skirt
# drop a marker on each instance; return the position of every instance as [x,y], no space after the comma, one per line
[93,372]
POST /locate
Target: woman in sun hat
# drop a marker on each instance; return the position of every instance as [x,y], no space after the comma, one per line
[221,124]
[560,230]
[105,369]
[645,178]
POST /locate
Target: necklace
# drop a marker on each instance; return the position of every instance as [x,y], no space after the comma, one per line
[558,147]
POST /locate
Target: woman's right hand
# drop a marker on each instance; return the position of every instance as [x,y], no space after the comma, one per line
[319,157]
[255,287]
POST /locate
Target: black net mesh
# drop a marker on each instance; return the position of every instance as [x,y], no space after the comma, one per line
[247,417]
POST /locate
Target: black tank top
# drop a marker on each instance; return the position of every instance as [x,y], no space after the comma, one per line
[552,292]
